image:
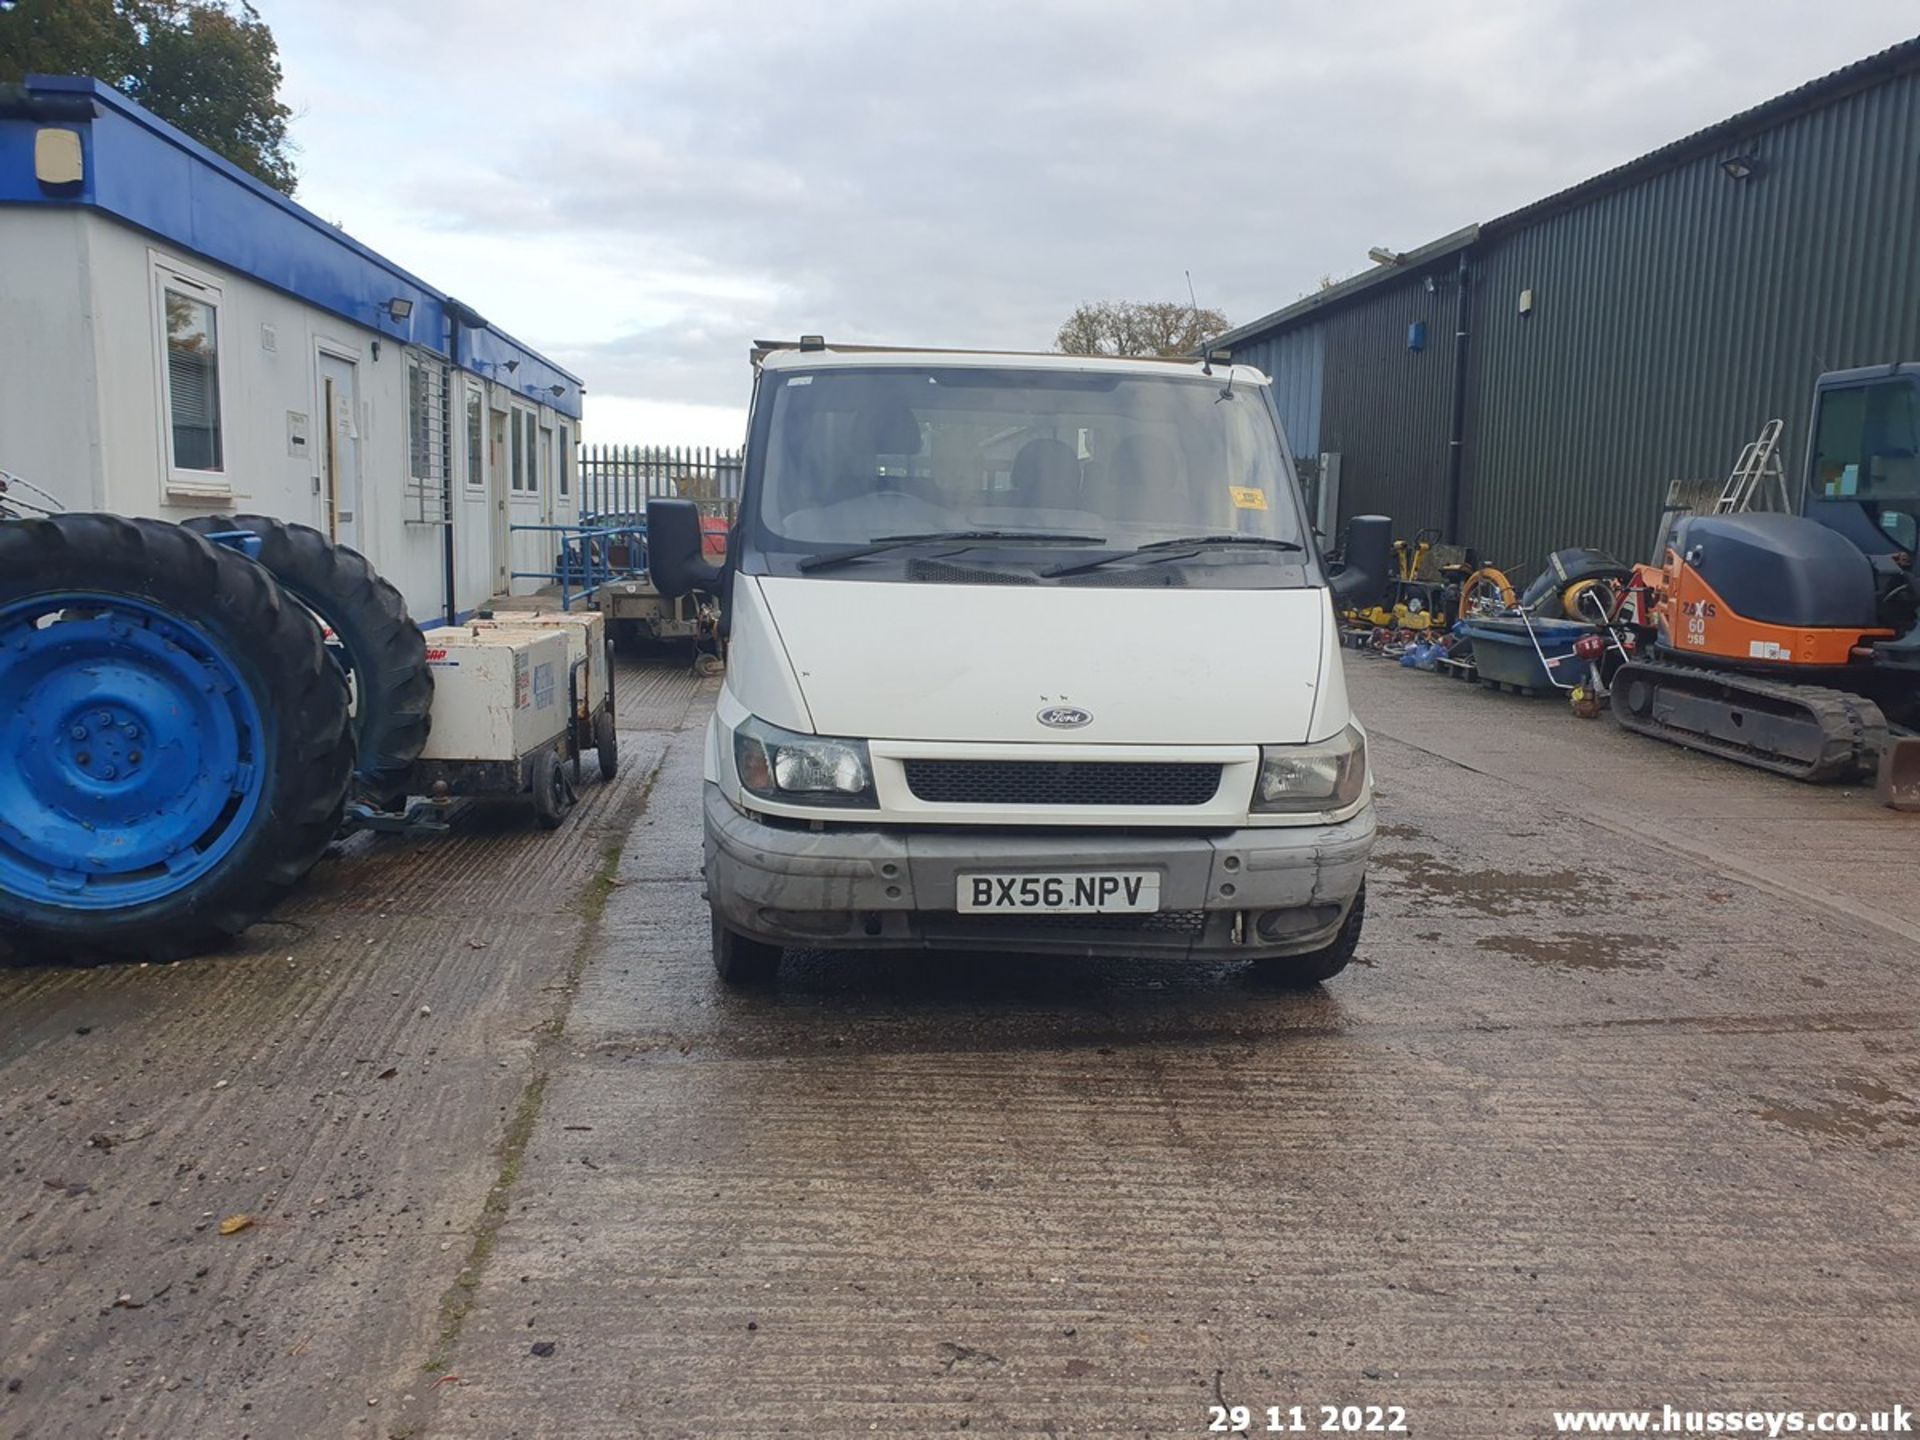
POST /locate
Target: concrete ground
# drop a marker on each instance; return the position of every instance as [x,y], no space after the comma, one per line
[1621,1106]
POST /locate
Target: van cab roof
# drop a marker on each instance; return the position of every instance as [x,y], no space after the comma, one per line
[787,355]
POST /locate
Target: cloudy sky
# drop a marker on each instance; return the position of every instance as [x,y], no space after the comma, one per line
[640,189]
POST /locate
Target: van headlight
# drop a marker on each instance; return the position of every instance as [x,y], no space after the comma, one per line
[777,764]
[1326,775]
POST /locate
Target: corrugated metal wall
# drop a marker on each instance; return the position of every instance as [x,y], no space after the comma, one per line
[1387,408]
[1296,361]
[1675,317]
[1672,318]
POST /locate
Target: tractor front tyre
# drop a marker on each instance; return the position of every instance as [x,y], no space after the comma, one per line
[174,741]
[384,650]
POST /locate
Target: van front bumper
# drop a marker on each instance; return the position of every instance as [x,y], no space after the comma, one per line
[1278,890]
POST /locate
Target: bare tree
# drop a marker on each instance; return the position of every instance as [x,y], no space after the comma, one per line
[1138,327]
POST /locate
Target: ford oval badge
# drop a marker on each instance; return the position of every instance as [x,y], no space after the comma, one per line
[1065,717]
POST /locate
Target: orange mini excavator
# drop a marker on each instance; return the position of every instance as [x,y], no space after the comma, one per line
[1792,641]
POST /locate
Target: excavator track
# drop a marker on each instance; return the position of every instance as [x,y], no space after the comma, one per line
[1807,732]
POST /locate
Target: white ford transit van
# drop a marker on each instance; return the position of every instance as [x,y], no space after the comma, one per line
[1028,653]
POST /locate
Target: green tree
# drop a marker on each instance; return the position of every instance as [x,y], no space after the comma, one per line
[1138,327]
[209,66]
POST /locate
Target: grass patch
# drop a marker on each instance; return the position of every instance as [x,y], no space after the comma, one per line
[511,1153]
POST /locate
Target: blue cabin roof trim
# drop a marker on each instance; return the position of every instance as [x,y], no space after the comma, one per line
[143,171]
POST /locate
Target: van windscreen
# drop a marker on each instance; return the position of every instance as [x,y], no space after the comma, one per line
[850,456]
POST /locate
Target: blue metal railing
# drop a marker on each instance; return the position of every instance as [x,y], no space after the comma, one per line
[587,557]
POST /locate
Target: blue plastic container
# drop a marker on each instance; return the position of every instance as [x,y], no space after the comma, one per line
[1505,653]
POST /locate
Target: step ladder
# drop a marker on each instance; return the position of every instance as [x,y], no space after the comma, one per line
[1757,474]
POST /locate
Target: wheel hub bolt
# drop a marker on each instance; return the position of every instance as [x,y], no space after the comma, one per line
[86,759]
[105,718]
[132,732]
[107,772]
[79,732]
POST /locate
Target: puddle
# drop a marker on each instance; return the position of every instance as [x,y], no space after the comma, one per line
[1498,893]
[1401,832]
[1583,952]
[1862,1110]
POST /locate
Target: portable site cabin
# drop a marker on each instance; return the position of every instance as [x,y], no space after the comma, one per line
[177,339]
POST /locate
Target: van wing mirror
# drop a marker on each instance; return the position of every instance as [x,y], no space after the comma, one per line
[1369,548]
[676,560]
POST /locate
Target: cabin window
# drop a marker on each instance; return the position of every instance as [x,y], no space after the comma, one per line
[429,441]
[566,461]
[190,381]
[420,435]
[522,478]
[476,438]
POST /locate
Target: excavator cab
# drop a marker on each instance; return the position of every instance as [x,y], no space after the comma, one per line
[1863,481]
[1863,464]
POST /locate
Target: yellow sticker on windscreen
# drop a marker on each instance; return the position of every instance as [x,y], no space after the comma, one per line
[1246,497]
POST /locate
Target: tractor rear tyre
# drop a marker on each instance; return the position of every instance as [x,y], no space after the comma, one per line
[385,652]
[174,741]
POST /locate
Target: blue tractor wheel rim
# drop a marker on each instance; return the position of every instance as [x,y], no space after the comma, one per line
[133,755]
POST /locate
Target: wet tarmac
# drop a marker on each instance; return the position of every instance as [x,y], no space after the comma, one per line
[1620,1106]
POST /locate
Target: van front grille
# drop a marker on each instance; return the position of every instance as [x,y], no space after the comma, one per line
[1140,783]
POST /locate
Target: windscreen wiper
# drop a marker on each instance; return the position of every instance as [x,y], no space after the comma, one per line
[941,537]
[1192,543]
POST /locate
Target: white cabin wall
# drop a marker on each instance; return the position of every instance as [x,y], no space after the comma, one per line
[49,397]
[82,408]
[258,385]
[259,389]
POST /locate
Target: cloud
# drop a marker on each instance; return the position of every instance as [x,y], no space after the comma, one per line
[658,185]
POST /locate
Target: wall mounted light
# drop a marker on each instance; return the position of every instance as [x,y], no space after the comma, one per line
[399,308]
[1381,255]
[556,391]
[510,366]
[1741,167]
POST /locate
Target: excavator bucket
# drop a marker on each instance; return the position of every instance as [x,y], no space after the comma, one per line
[1899,783]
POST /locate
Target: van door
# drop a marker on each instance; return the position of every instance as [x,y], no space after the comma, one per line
[340,447]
